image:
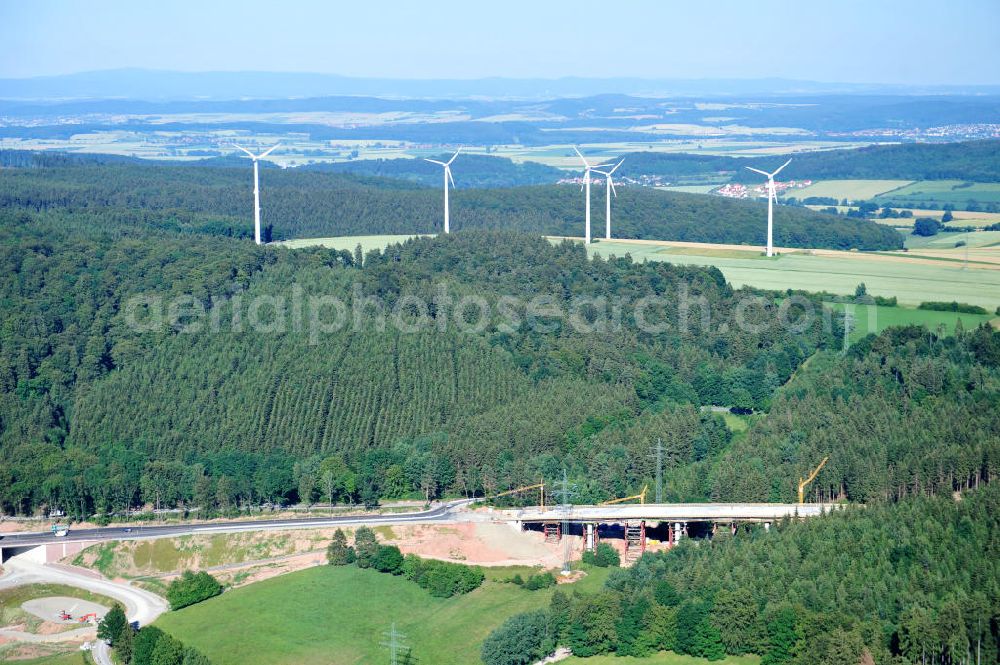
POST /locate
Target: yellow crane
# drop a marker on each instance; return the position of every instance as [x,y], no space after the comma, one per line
[812,477]
[538,486]
[641,496]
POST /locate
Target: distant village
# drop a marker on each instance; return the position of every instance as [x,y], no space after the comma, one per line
[735,190]
[947,132]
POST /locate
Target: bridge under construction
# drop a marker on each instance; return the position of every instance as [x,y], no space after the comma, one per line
[674,521]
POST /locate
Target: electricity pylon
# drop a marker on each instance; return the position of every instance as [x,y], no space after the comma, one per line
[393,641]
[658,454]
[564,493]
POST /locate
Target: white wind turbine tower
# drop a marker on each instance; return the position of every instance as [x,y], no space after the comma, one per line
[587,168]
[772,197]
[256,187]
[447,177]
[607,200]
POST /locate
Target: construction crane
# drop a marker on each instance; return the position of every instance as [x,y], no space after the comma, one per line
[812,477]
[537,486]
[641,496]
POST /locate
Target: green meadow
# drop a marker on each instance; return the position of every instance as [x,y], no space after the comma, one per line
[854,190]
[337,615]
[941,192]
[875,319]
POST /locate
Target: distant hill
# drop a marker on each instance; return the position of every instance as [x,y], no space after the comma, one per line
[470,171]
[150,84]
[977,161]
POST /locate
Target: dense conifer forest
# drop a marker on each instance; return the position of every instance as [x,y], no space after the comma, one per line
[301,204]
[396,412]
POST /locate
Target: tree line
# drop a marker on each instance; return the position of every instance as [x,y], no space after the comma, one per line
[298,203]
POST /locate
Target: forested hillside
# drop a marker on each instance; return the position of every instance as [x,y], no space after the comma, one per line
[905,413]
[300,204]
[97,415]
[473,170]
[977,161]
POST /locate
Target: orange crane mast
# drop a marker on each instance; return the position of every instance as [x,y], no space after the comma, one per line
[812,477]
[641,496]
[537,486]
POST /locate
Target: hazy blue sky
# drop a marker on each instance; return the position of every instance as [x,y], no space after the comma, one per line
[883,41]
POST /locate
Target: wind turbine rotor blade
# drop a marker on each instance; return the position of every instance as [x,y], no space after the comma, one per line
[268,151]
[250,154]
[763,173]
[434,161]
[448,171]
[582,158]
[781,167]
[454,156]
[612,183]
[616,167]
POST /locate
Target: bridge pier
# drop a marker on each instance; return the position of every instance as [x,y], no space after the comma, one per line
[680,531]
[635,540]
[553,532]
[590,537]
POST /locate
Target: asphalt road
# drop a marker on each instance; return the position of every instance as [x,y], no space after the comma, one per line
[441,513]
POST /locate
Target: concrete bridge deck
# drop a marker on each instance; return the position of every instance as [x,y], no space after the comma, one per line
[675,512]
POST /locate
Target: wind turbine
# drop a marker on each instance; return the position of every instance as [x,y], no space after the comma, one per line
[607,199]
[256,187]
[587,168]
[447,177]
[772,197]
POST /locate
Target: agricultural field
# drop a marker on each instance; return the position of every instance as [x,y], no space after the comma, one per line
[985,243]
[561,155]
[940,192]
[933,269]
[336,616]
[875,319]
[854,190]
[298,149]
[940,275]
[961,218]
[367,243]
[690,189]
